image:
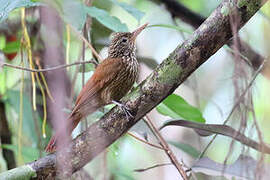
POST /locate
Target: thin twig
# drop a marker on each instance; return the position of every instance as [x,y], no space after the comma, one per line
[234,106]
[148,143]
[259,166]
[47,69]
[237,53]
[37,61]
[152,167]
[259,133]
[166,147]
[88,44]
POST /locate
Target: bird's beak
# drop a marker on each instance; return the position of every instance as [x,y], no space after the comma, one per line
[138,31]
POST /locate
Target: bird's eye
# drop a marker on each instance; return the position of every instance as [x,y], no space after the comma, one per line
[124,40]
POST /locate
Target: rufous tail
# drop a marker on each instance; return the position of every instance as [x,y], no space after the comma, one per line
[73,121]
[51,147]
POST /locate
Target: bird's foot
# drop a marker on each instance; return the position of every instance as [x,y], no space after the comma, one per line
[123,108]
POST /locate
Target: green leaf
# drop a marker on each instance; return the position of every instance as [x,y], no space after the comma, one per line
[130,9]
[2,42]
[186,148]
[176,107]
[106,19]
[28,121]
[29,154]
[9,5]
[74,13]
[12,47]
[3,79]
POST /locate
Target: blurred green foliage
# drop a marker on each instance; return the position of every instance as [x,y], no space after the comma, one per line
[29,154]
[28,120]
[126,154]
[8,6]
[12,47]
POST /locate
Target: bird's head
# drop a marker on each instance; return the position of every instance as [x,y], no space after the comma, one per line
[123,43]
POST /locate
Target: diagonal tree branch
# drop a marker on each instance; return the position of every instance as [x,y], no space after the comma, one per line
[184,60]
[166,147]
[195,20]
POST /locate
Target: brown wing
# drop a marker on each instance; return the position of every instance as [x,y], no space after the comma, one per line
[89,99]
[104,74]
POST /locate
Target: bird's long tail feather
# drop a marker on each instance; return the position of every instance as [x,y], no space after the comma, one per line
[51,147]
[73,121]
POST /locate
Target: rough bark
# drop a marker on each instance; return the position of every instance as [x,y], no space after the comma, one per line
[195,20]
[185,59]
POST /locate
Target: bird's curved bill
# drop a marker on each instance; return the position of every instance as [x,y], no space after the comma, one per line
[138,31]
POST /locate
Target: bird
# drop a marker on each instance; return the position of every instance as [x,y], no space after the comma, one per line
[111,80]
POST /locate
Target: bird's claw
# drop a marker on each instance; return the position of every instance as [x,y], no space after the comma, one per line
[124,108]
[126,111]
